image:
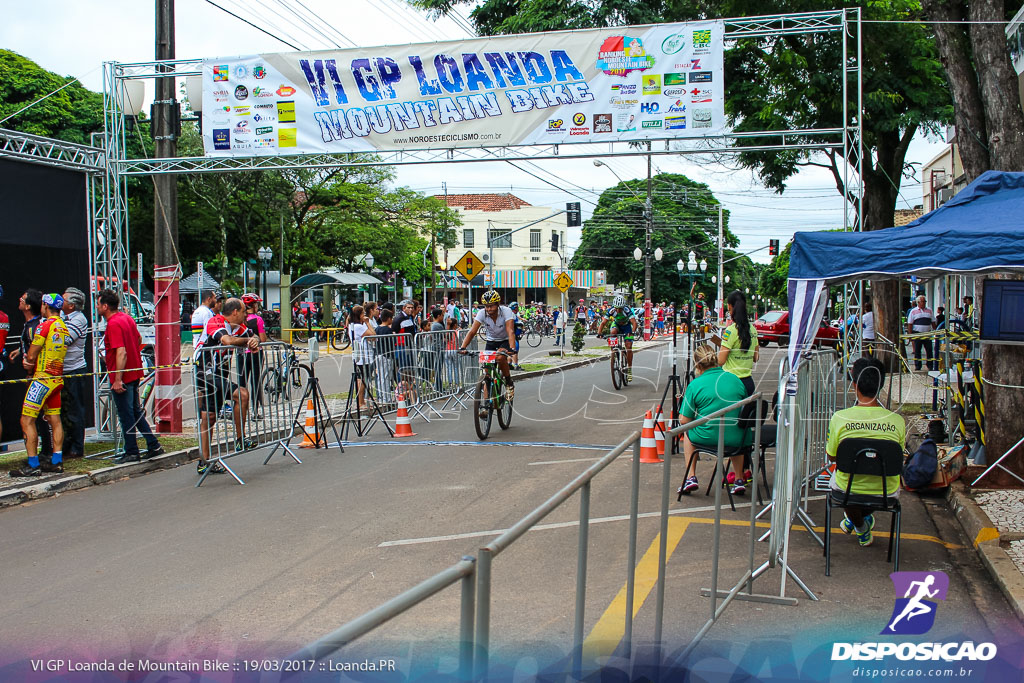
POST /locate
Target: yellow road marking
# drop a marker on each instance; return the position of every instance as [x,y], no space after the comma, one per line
[986,534]
[611,627]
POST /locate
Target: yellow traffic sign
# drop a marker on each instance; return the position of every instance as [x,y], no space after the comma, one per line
[563,281]
[469,266]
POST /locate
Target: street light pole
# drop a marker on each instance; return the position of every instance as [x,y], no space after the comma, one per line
[649,211]
[720,305]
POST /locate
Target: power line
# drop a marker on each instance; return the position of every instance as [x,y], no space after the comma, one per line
[258,28]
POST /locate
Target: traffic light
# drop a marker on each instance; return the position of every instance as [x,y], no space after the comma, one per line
[773,247]
[554,241]
[572,215]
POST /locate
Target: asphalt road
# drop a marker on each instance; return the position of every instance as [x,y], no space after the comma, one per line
[153,566]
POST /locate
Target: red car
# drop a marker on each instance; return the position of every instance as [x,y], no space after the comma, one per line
[773,326]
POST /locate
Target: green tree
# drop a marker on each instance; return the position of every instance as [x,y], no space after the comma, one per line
[685,219]
[71,114]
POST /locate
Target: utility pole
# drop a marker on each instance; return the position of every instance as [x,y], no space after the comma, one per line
[444,186]
[649,215]
[166,269]
[721,267]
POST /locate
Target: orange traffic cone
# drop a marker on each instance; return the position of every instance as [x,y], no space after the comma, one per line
[310,429]
[403,425]
[648,449]
[659,432]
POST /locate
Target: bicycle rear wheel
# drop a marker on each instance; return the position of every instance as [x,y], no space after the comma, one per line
[340,340]
[533,338]
[482,408]
[616,371]
[504,408]
[300,336]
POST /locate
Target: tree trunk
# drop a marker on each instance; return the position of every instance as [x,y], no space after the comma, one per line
[999,89]
[879,209]
[955,54]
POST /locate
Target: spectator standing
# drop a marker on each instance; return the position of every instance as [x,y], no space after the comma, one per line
[919,320]
[122,343]
[940,318]
[201,316]
[44,362]
[360,325]
[77,384]
[868,321]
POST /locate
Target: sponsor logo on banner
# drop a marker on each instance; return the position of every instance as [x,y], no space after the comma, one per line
[259,72]
[242,127]
[702,42]
[264,118]
[675,122]
[220,73]
[674,79]
[916,605]
[242,110]
[241,72]
[624,89]
[221,138]
[673,44]
[226,109]
[288,137]
[625,122]
[579,118]
[702,77]
[266,142]
[700,95]
[286,112]
[262,92]
[220,95]
[621,103]
[652,84]
[673,92]
[695,64]
[650,108]
[701,117]
[241,93]
[676,106]
[555,125]
[602,123]
[264,106]
[285,91]
[264,130]
[575,130]
[620,55]
[651,124]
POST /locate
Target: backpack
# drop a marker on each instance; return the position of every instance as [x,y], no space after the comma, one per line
[922,466]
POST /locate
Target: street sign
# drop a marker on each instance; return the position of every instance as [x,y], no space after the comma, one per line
[563,282]
[469,266]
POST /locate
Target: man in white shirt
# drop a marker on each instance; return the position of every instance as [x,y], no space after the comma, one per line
[921,319]
[499,332]
[201,316]
[77,383]
[868,321]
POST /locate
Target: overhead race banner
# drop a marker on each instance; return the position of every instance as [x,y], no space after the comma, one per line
[602,85]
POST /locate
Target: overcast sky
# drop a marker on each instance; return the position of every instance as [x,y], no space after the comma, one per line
[74,38]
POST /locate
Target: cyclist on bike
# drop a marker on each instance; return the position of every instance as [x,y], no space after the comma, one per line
[499,331]
[518,322]
[623,321]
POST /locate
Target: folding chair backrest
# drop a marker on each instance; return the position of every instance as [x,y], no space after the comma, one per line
[870,457]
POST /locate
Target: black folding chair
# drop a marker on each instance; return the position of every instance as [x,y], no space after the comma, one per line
[867,458]
[744,422]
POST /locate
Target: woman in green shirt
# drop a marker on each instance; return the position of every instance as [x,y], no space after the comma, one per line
[710,391]
[739,349]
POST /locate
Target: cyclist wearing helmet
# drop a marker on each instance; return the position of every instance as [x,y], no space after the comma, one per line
[518,322]
[623,321]
[499,331]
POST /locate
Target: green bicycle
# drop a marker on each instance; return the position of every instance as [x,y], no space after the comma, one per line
[489,395]
[620,374]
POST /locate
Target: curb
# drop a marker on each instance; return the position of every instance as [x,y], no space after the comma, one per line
[987,540]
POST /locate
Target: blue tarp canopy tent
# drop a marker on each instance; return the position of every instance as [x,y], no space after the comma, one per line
[981,230]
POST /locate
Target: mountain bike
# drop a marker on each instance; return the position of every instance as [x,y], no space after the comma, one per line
[489,395]
[620,377]
[340,340]
[285,379]
[533,334]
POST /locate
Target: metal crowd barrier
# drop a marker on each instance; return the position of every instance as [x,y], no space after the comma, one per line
[247,400]
[474,574]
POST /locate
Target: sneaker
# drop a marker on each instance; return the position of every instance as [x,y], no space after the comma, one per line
[152,453]
[246,445]
[629,374]
[748,477]
[52,469]
[227,412]
[122,459]
[846,526]
[216,468]
[688,486]
[26,471]
[737,487]
[864,537]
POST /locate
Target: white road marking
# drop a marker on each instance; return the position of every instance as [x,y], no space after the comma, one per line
[559,462]
[556,525]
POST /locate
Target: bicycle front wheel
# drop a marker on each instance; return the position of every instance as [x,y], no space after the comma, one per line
[616,371]
[482,408]
[340,340]
[533,338]
[504,407]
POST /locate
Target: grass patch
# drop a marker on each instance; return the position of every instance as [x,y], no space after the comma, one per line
[339,396]
[170,443]
[912,409]
[530,367]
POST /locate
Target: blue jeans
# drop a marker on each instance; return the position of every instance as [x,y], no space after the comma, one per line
[132,417]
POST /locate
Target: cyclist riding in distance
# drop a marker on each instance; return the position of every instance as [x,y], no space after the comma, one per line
[518,326]
[499,332]
[623,321]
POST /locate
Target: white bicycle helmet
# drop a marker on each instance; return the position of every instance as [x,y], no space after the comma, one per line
[619,301]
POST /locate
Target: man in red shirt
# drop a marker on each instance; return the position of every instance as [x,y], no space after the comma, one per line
[122,343]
